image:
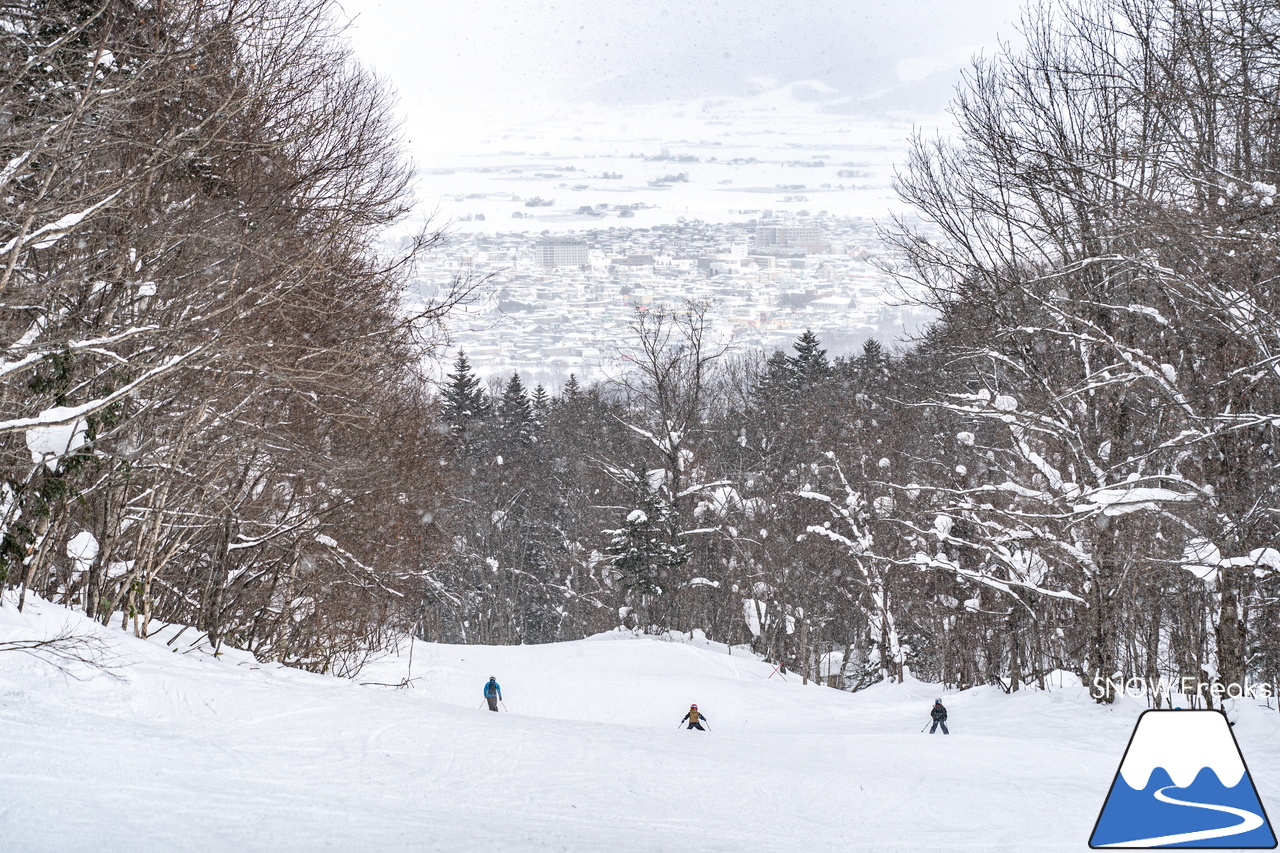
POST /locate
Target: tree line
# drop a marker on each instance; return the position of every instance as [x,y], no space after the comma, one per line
[212,409]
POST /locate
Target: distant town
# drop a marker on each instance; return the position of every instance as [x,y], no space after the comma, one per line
[555,304]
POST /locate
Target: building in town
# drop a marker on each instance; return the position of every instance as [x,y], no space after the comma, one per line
[790,239]
[560,252]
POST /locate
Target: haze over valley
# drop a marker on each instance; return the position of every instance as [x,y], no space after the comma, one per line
[675,133]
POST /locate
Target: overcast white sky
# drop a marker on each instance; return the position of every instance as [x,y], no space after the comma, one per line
[446,57]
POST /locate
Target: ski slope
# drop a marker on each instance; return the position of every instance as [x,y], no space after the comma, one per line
[178,750]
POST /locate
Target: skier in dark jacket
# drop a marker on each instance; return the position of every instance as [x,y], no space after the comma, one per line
[696,718]
[939,715]
[492,692]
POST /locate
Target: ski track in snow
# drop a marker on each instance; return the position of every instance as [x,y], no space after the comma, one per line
[186,752]
[1248,822]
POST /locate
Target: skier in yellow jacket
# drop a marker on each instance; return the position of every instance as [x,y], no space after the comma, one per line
[695,718]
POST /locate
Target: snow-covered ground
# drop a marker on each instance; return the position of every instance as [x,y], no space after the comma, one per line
[180,751]
[738,157]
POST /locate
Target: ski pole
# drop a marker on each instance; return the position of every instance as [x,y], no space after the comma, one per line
[504,706]
[925,726]
[481,705]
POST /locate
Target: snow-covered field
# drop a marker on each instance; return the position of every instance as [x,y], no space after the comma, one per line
[738,158]
[181,751]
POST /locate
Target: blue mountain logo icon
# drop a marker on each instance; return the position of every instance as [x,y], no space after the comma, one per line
[1183,783]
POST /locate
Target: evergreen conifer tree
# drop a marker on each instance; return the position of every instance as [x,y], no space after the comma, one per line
[541,404]
[572,390]
[515,412]
[644,551]
[870,368]
[873,353]
[778,383]
[464,398]
[809,365]
[465,405]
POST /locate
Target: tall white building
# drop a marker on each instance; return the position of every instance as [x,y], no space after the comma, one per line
[790,238]
[560,253]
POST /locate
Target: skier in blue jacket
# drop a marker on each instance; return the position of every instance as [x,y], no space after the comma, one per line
[492,692]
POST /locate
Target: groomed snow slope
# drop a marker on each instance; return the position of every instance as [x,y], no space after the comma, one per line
[186,752]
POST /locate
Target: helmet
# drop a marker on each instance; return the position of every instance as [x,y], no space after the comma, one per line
[937,701]
[493,678]
[694,707]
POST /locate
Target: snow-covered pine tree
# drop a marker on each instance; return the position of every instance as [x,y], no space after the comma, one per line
[776,385]
[541,403]
[515,415]
[463,402]
[644,552]
[464,395]
[809,365]
[571,388]
[873,360]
